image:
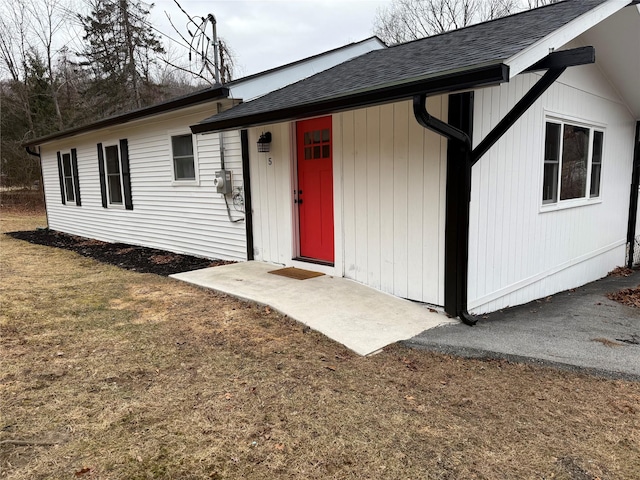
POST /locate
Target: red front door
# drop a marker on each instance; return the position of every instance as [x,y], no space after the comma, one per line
[315,189]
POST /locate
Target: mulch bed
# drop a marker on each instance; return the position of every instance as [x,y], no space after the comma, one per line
[130,257]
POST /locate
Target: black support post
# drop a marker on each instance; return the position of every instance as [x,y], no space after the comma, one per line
[246,185]
[458,197]
[633,200]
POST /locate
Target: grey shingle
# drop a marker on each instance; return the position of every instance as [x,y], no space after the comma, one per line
[491,42]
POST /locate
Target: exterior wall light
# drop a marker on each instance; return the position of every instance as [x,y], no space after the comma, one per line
[264,142]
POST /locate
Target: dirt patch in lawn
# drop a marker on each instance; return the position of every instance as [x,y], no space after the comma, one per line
[138,259]
[111,374]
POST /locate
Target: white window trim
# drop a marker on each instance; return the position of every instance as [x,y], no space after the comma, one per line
[550,116]
[183,183]
[74,180]
[113,143]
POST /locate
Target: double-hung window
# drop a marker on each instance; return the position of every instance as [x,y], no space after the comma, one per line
[183,159]
[572,162]
[113,173]
[68,173]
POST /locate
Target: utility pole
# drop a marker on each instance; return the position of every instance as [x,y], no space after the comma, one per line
[216,68]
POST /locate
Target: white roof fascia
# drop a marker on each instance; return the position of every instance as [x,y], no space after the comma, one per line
[536,52]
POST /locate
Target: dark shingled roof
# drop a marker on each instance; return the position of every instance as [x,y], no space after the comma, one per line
[463,50]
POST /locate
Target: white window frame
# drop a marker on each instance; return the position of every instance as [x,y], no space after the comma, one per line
[185,182]
[69,201]
[105,145]
[593,126]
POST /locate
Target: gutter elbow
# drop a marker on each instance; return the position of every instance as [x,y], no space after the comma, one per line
[467,318]
[31,152]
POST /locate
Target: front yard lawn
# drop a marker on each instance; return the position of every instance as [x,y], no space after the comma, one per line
[112,374]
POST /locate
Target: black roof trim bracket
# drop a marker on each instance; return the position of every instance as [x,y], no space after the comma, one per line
[565,58]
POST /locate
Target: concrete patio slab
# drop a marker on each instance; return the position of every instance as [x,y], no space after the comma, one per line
[361,318]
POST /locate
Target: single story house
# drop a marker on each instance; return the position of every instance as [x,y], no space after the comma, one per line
[474,170]
[143,178]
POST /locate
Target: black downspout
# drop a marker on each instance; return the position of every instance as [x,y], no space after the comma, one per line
[246,182]
[458,195]
[31,152]
[633,201]
[44,198]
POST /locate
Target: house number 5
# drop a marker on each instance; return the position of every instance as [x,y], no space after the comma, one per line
[270,161]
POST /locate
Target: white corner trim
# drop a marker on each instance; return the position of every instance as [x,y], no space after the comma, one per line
[479,302]
[532,54]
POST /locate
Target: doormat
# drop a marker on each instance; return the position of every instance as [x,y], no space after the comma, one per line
[297,273]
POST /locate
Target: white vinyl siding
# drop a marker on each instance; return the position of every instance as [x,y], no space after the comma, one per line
[393,200]
[185,219]
[520,251]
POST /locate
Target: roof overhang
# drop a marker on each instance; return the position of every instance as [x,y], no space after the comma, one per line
[158,109]
[441,83]
[539,50]
[617,41]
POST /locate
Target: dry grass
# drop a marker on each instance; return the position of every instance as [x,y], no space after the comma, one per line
[138,376]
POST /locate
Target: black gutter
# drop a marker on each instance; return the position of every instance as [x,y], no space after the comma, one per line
[459,153]
[633,201]
[246,182]
[482,76]
[164,107]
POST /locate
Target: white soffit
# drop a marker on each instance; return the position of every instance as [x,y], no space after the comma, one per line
[532,54]
[617,44]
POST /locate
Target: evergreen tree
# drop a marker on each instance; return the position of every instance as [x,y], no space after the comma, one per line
[119,55]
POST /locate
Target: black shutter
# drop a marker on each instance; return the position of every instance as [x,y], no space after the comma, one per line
[103,186]
[76,180]
[126,175]
[61,177]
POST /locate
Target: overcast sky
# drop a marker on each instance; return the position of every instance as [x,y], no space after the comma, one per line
[268,33]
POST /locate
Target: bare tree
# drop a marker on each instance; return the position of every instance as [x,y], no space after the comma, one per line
[406,20]
[49,17]
[539,3]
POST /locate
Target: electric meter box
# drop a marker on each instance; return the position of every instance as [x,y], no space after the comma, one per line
[222,181]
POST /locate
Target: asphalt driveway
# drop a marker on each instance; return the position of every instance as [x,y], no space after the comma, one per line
[579,330]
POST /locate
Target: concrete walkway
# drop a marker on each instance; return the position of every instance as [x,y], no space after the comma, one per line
[580,330]
[361,318]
